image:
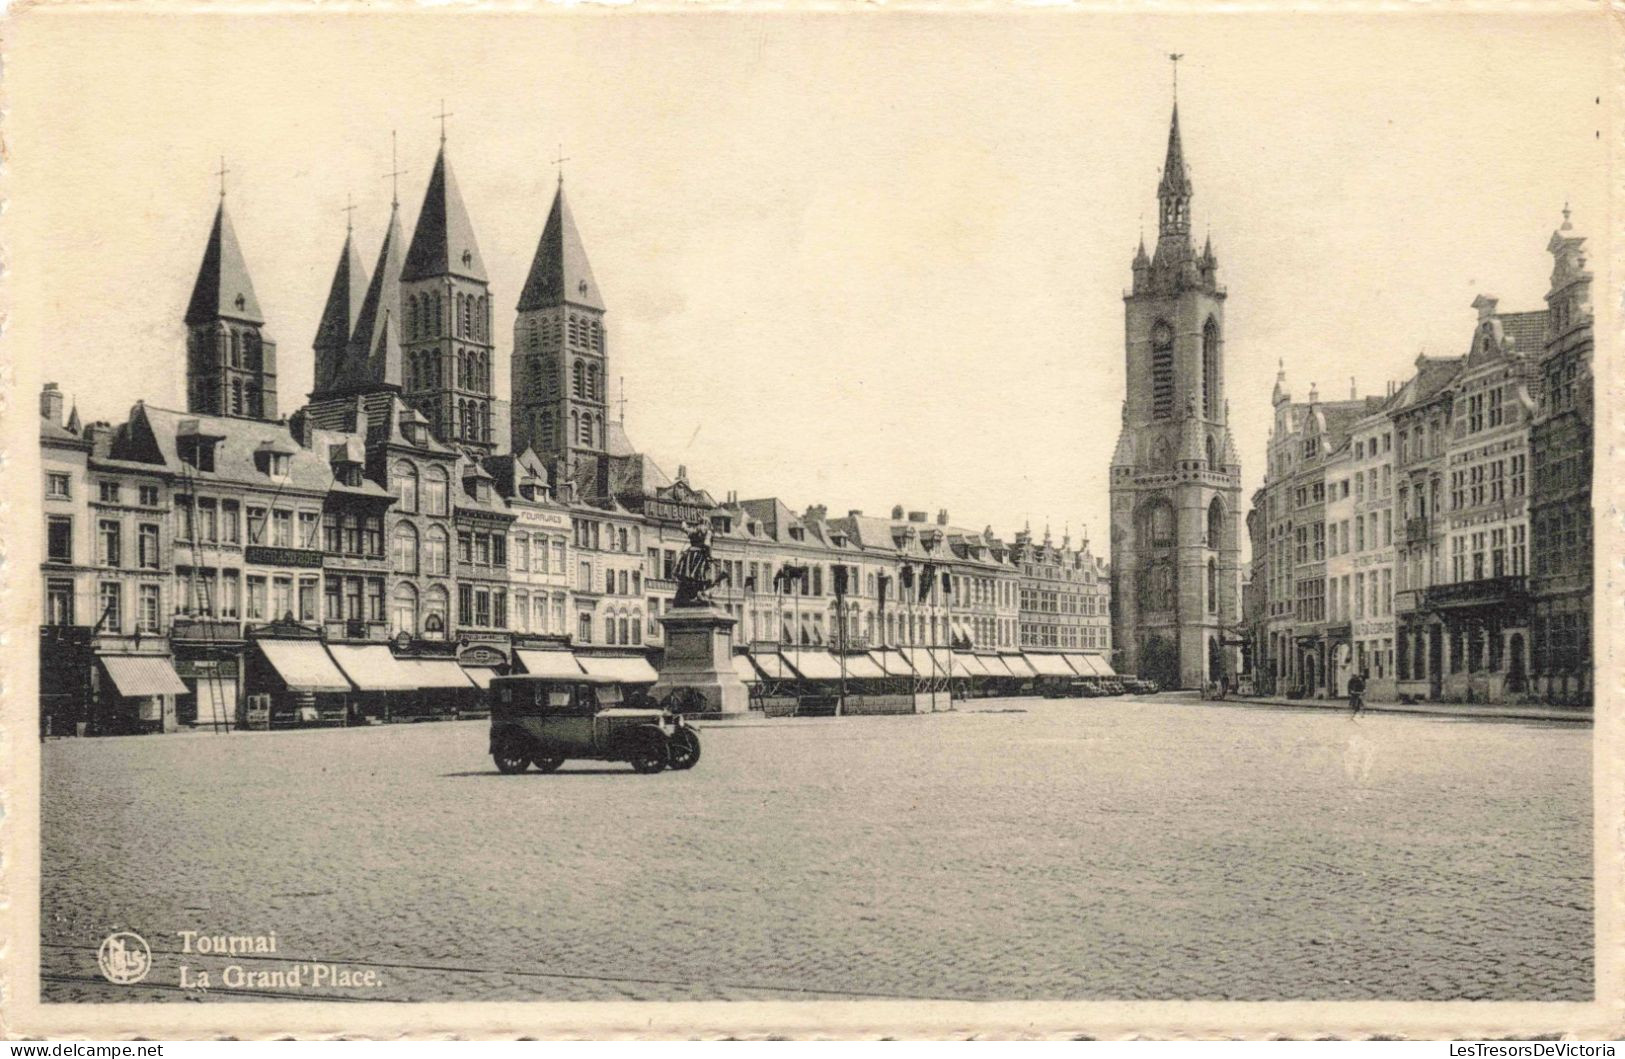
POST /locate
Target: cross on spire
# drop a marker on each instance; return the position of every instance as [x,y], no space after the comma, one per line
[349,211]
[443,115]
[221,173]
[559,161]
[1174,57]
[395,172]
[622,401]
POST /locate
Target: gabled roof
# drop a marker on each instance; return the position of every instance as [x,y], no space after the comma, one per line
[377,416]
[559,273]
[1527,330]
[223,288]
[443,242]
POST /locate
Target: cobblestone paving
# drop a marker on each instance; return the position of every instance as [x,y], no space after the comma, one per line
[1077,850]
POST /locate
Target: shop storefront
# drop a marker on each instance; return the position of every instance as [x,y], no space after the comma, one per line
[136,693]
[293,683]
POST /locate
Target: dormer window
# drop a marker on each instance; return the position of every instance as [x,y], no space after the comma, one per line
[347,474]
[196,452]
[275,464]
[797,533]
[721,524]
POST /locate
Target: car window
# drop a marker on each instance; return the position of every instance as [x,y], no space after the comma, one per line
[609,695]
[558,700]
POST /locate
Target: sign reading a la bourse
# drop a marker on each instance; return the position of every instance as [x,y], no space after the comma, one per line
[667,511]
[267,555]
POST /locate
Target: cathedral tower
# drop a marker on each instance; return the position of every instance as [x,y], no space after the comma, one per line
[445,301]
[230,362]
[339,317]
[560,367]
[1175,475]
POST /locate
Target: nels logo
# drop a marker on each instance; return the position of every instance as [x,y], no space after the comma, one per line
[124,958]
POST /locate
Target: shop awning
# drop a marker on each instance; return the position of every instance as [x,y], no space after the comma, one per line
[1050,665]
[137,676]
[1018,666]
[772,665]
[625,669]
[861,667]
[892,663]
[967,665]
[303,665]
[480,675]
[994,666]
[438,672]
[744,670]
[1102,667]
[549,663]
[926,662]
[371,667]
[815,665]
[1079,664]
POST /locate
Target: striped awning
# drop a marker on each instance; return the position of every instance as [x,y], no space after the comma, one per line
[628,670]
[438,672]
[994,666]
[137,676]
[892,663]
[1050,665]
[815,665]
[371,667]
[772,665]
[861,667]
[549,663]
[927,663]
[480,675]
[303,665]
[1018,666]
[967,665]
[1102,667]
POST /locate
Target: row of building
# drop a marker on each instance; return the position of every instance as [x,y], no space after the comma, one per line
[404,534]
[1436,538]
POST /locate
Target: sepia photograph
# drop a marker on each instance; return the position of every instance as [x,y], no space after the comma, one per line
[778,511]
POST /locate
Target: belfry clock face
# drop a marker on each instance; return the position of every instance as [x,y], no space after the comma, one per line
[1162,335]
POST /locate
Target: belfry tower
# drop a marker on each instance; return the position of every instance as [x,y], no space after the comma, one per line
[230,361]
[1175,475]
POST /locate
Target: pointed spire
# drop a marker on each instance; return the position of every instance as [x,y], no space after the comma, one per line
[559,272]
[373,355]
[339,317]
[443,242]
[73,419]
[1281,394]
[1175,181]
[223,288]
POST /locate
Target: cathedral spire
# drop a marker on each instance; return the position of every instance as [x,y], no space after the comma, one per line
[559,272]
[373,354]
[443,242]
[339,316]
[1174,190]
[223,289]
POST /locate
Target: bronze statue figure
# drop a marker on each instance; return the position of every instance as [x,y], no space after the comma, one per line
[696,572]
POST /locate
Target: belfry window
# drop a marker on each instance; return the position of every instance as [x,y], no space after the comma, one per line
[1210,369]
[1162,370]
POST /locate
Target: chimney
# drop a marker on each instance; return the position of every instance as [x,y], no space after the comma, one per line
[942,516]
[682,469]
[816,512]
[100,436]
[897,513]
[601,485]
[50,404]
[917,516]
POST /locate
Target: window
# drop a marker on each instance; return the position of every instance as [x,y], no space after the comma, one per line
[108,540]
[281,598]
[147,546]
[1162,370]
[146,615]
[333,598]
[436,547]
[307,599]
[372,539]
[110,609]
[406,486]
[282,528]
[57,486]
[435,492]
[405,559]
[108,492]
[228,594]
[465,546]
[228,521]
[403,611]
[59,539]
[256,525]
[59,602]
[308,521]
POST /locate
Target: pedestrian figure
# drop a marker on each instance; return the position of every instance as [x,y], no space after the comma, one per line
[1356,694]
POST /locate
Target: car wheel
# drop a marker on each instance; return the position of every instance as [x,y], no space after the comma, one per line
[547,760]
[648,757]
[683,749]
[512,754]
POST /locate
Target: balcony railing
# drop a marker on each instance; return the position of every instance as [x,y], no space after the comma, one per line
[1489,591]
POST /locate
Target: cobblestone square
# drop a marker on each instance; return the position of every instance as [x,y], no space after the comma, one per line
[1014,849]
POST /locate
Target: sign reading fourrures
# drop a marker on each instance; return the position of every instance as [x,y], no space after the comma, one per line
[671,577]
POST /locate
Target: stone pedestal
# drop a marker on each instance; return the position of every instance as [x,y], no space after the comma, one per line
[698,657]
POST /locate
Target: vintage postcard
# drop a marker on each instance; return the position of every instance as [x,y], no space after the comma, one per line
[869,521]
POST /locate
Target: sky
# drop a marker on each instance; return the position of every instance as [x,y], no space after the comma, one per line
[856,260]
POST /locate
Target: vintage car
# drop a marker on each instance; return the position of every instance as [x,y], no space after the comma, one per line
[545,721]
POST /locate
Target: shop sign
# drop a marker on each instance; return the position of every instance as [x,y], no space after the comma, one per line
[666,511]
[481,655]
[266,555]
[206,668]
[551,519]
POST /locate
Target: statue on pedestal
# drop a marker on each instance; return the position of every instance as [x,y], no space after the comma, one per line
[696,572]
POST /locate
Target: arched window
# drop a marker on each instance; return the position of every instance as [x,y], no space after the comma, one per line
[544,429]
[1210,369]
[251,351]
[1157,526]
[575,425]
[236,395]
[585,437]
[236,349]
[406,486]
[438,326]
[577,376]
[1213,586]
[412,316]
[405,541]
[593,392]
[534,336]
[1212,454]
[437,551]
[1162,369]
[468,315]
[598,336]
[436,605]
[255,401]
[1215,524]
[403,611]
[435,491]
